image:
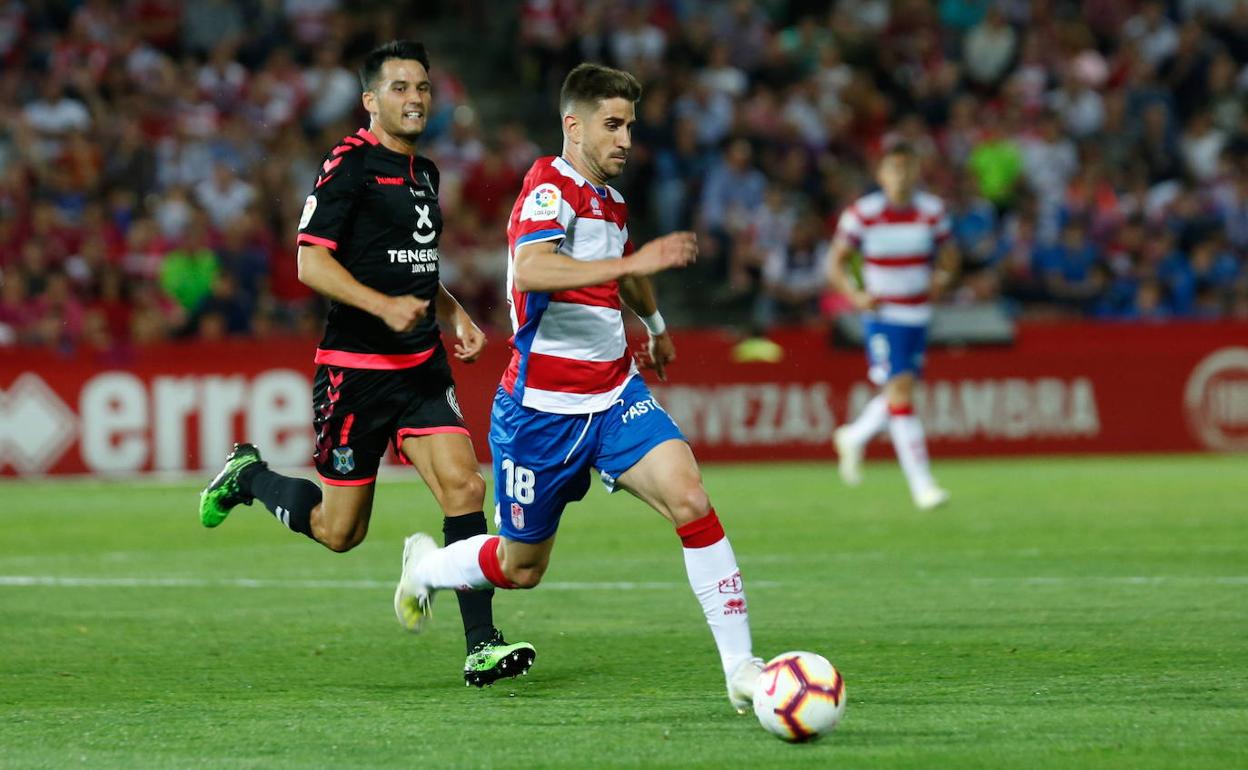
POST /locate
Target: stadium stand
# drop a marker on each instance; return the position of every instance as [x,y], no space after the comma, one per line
[154,155]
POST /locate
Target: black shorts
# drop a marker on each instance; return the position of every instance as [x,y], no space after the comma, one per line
[359,412]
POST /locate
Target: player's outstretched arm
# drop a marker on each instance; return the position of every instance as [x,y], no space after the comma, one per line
[471,340]
[321,272]
[838,274]
[539,267]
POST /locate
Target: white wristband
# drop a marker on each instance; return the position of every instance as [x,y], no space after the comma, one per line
[654,323]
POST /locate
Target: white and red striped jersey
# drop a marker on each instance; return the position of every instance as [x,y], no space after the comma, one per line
[898,246]
[568,352]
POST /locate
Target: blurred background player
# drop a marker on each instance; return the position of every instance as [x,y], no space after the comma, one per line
[572,399]
[898,230]
[368,240]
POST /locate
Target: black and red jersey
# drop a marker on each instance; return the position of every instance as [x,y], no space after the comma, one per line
[377,212]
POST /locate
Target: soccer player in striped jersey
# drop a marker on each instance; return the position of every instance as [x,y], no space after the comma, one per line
[572,398]
[900,232]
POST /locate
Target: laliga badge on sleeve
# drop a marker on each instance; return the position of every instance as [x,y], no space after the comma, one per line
[542,204]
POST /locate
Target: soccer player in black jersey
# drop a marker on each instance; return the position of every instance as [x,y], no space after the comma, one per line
[368,240]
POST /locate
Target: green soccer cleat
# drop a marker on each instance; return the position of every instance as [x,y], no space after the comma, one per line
[496,659]
[220,496]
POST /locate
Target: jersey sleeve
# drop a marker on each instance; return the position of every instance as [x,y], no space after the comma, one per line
[849,228]
[547,211]
[326,210]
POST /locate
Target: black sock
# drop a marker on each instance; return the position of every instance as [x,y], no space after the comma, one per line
[476,607]
[289,500]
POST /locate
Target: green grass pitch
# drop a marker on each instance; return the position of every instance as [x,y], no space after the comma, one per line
[1060,613]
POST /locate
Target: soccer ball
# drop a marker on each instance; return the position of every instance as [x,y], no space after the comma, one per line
[799,696]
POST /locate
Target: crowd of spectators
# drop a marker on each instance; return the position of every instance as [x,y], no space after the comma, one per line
[154,154]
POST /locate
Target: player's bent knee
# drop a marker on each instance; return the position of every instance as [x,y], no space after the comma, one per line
[340,537]
[689,504]
[341,542]
[525,577]
[461,493]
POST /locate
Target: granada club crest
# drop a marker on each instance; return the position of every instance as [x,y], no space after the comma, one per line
[344,460]
[517,516]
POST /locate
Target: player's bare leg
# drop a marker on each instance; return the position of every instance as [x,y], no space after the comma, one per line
[340,522]
[474,563]
[668,479]
[851,440]
[448,464]
[336,517]
[910,443]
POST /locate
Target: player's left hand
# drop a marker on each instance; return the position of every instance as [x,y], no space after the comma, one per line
[471,340]
[657,354]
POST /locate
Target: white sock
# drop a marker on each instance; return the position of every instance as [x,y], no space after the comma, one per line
[870,421]
[716,581]
[456,566]
[911,447]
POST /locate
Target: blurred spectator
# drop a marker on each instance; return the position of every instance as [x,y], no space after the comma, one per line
[733,189]
[334,90]
[189,271]
[489,187]
[224,196]
[208,23]
[989,49]
[997,165]
[793,276]
[1152,32]
[1070,268]
[1201,145]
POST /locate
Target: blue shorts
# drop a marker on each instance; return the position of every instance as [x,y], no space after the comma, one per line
[542,461]
[893,349]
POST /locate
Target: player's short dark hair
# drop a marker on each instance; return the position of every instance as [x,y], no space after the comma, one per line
[904,149]
[589,83]
[395,49]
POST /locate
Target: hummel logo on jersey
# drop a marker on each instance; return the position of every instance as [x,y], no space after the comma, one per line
[390,180]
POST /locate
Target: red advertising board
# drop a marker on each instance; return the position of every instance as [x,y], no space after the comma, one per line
[1059,389]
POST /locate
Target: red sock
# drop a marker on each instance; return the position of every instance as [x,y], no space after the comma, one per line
[487,558]
[702,532]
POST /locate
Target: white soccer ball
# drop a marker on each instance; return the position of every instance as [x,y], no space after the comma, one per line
[799,696]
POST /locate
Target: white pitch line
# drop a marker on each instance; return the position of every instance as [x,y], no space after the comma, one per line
[1127,580]
[62,581]
[53,581]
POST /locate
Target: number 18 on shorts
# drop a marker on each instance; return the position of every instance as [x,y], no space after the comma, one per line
[542,461]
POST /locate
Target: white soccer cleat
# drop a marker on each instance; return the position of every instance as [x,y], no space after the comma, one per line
[932,497]
[741,684]
[412,599]
[849,457]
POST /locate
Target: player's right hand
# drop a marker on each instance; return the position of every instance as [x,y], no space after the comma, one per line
[672,250]
[863,301]
[403,312]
